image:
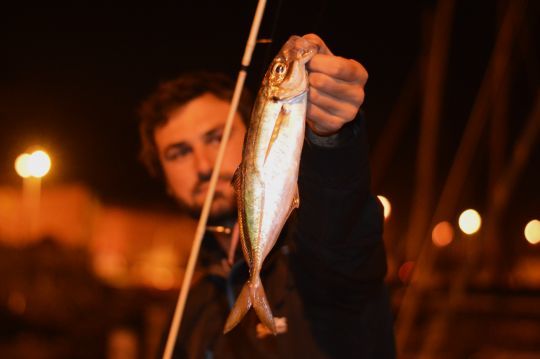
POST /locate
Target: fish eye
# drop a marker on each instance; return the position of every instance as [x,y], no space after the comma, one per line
[280,68]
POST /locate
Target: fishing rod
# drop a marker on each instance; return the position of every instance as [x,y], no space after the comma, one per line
[201,227]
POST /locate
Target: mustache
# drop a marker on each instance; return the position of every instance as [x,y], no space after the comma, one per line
[204,179]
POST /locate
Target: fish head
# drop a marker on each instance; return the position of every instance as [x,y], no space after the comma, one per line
[287,75]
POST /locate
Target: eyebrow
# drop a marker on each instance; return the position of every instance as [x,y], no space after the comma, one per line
[182,145]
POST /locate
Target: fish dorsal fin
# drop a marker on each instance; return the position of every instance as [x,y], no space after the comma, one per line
[296,198]
[277,126]
[236,179]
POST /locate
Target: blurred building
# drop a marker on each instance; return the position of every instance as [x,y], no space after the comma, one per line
[93,280]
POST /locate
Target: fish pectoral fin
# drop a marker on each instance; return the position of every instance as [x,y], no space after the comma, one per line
[261,306]
[240,308]
[277,126]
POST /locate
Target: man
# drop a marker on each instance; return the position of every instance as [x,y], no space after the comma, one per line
[325,274]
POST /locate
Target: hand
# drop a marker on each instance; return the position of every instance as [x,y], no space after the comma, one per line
[336,89]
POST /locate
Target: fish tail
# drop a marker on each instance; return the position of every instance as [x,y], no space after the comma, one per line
[240,308]
[261,306]
[252,294]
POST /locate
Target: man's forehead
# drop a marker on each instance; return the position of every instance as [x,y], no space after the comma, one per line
[193,120]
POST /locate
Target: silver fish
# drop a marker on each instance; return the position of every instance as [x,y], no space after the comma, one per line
[266,180]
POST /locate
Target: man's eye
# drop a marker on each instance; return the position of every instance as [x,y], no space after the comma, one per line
[176,153]
[215,138]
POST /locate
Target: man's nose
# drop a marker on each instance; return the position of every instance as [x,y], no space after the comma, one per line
[203,161]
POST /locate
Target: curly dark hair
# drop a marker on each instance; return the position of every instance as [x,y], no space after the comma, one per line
[169,96]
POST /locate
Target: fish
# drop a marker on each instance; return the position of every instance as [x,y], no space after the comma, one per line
[266,181]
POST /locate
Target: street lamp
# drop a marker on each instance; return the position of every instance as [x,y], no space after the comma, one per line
[32,167]
[470,221]
[36,164]
[532,231]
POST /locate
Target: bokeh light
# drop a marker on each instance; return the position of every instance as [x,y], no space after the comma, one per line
[40,163]
[386,205]
[37,164]
[442,234]
[532,231]
[470,221]
[21,165]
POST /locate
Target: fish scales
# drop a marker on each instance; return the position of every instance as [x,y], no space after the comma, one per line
[266,180]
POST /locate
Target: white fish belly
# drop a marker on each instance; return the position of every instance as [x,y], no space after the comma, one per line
[280,173]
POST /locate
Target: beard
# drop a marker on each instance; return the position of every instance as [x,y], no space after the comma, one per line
[222,210]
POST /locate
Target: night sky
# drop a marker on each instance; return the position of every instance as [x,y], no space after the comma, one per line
[72,76]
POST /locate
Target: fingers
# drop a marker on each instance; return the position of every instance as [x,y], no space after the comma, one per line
[344,107]
[339,68]
[336,89]
[322,122]
[335,66]
[322,84]
[323,49]
[332,103]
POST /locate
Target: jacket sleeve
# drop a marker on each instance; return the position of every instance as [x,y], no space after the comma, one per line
[337,255]
[338,252]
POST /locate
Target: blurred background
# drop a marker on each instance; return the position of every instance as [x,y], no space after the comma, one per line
[92,253]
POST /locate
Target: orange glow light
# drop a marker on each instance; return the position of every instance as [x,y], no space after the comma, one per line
[36,164]
[532,231]
[21,165]
[442,234]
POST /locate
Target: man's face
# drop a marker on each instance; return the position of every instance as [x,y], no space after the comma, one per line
[188,145]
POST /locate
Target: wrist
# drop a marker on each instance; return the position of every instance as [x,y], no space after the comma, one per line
[335,139]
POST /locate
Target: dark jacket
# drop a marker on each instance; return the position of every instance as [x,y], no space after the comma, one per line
[325,275]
